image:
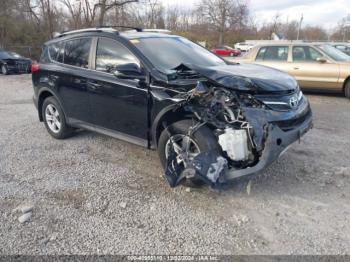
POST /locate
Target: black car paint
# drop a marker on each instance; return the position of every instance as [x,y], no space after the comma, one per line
[249,77]
[89,97]
[106,91]
[135,110]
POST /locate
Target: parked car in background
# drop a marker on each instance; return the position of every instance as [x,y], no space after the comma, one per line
[315,66]
[11,62]
[344,47]
[244,47]
[226,51]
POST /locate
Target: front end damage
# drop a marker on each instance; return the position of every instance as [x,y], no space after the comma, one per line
[253,128]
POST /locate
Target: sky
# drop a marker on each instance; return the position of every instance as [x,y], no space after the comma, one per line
[325,13]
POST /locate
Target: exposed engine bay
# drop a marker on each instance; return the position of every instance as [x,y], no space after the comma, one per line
[221,109]
[253,123]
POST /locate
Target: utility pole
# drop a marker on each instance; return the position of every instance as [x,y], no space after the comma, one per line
[346,27]
[301,20]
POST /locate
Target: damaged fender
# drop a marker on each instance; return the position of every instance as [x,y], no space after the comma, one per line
[231,106]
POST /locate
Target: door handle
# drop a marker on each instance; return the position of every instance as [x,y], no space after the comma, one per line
[54,77]
[94,85]
[78,81]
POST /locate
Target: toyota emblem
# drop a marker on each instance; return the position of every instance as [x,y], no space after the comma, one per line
[293,102]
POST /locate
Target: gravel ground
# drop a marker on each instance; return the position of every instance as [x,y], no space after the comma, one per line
[92,194]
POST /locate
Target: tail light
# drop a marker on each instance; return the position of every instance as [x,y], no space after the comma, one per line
[35,67]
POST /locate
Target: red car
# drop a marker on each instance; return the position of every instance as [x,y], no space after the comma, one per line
[225,51]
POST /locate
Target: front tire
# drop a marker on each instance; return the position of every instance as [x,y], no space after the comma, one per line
[203,138]
[54,119]
[4,70]
[347,89]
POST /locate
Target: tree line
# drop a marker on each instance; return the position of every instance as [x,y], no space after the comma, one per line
[27,24]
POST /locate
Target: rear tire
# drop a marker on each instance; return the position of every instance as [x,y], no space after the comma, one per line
[4,70]
[54,119]
[203,137]
[347,89]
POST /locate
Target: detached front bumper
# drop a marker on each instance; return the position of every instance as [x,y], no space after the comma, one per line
[277,142]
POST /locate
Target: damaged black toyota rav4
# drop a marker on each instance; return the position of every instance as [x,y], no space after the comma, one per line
[210,121]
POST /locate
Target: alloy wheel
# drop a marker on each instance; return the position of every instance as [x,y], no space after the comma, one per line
[53,119]
[182,144]
[3,70]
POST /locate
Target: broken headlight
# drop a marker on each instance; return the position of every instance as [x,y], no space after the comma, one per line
[249,100]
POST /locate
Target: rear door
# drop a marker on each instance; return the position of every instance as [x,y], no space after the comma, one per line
[311,73]
[70,75]
[119,106]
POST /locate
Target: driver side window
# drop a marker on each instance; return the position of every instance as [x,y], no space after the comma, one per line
[110,54]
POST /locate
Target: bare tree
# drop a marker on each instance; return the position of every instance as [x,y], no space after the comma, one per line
[5,12]
[149,14]
[106,5]
[30,7]
[75,11]
[93,12]
[223,14]
[290,30]
[172,18]
[314,33]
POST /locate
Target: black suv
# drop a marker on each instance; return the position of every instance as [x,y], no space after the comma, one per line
[211,121]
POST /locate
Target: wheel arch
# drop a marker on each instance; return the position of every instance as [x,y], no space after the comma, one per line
[167,115]
[347,80]
[45,93]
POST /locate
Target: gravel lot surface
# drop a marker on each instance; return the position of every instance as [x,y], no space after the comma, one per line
[91,194]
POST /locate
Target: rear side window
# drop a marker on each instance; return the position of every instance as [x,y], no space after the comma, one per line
[56,52]
[76,52]
[110,54]
[44,58]
[274,53]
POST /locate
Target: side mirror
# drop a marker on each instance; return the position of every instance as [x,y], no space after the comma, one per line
[321,60]
[129,71]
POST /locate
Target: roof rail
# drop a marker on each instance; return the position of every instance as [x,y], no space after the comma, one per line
[138,29]
[163,31]
[110,28]
[103,28]
[92,29]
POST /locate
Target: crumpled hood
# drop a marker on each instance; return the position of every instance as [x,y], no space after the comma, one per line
[248,77]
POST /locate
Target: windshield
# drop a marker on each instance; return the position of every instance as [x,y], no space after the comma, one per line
[334,53]
[4,55]
[15,55]
[167,53]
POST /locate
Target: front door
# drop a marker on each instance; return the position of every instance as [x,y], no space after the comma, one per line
[309,72]
[119,106]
